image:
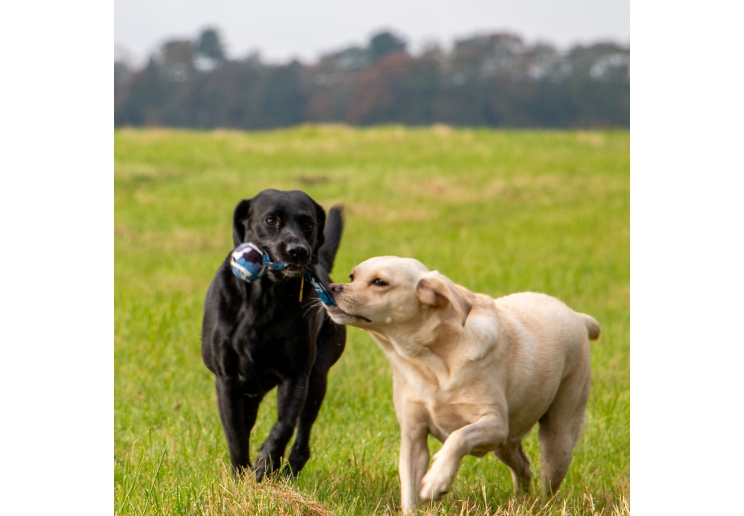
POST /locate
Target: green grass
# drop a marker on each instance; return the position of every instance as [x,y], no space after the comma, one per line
[496,211]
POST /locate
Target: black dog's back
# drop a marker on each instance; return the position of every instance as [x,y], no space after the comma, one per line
[266,333]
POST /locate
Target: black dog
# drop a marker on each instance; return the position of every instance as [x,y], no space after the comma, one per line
[258,335]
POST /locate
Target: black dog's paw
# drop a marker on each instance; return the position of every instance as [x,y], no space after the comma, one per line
[289,471]
[297,460]
[259,470]
[266,466]
[239,472]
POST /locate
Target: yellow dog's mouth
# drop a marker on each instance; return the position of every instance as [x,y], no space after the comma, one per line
[336,311]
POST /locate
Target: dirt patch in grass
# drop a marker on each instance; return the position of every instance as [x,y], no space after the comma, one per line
[544,189]
[143,171]
[175,241]
[441,130]
[590,138]
[382,214]
[250,497]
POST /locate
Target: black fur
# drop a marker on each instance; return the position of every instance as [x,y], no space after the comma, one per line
[258,335]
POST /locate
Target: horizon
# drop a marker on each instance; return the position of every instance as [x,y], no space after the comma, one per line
[304,32]
[124,54]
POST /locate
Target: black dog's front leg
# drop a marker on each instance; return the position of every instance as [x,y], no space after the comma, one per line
[290,399]
[330,345]
[238,414]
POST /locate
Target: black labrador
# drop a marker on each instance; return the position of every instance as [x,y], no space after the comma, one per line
[258,335]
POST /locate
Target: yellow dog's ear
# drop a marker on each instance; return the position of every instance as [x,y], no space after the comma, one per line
[437,290]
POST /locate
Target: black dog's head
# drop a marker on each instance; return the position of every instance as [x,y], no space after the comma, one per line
[286,224]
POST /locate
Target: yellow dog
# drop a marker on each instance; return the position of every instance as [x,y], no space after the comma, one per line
[477,373]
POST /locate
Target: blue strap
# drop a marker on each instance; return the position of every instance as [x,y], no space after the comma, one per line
[323,294]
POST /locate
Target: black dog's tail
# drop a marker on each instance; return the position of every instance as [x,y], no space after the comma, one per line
[334,226]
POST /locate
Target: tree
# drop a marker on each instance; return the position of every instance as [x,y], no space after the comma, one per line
[385,43]
[377,93]
[210,45]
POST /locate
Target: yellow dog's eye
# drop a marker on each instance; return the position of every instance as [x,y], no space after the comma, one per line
[379,283]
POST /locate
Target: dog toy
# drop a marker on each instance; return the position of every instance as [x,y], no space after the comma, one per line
[249,263]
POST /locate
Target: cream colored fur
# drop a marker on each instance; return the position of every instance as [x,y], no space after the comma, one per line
[477,373]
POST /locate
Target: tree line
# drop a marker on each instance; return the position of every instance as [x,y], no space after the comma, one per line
[494,80]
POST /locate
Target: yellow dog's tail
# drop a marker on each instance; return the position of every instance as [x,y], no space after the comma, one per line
[592,326]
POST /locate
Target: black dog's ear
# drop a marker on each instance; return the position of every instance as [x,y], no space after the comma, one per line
[320,216]
[240,216]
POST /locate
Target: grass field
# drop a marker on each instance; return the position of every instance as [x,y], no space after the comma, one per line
[496,211]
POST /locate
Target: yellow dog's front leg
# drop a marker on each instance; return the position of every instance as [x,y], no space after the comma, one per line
[485,434]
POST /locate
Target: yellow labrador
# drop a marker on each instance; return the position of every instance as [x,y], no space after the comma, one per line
[475,372]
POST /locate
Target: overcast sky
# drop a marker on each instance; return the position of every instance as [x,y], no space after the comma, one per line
[287,29]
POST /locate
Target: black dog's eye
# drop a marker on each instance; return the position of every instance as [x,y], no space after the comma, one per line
[309,225]
[379,283]
[272,221]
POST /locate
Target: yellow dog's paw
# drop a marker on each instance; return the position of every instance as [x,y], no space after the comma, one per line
[433,487]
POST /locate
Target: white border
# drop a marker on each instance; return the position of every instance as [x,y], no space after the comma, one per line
[56,216]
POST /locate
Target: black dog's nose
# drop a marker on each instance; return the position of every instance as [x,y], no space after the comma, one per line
[298,252]
[336,288]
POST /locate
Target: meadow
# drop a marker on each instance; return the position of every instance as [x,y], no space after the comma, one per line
[496,211]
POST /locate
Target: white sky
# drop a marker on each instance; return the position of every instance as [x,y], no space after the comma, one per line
[289,29]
